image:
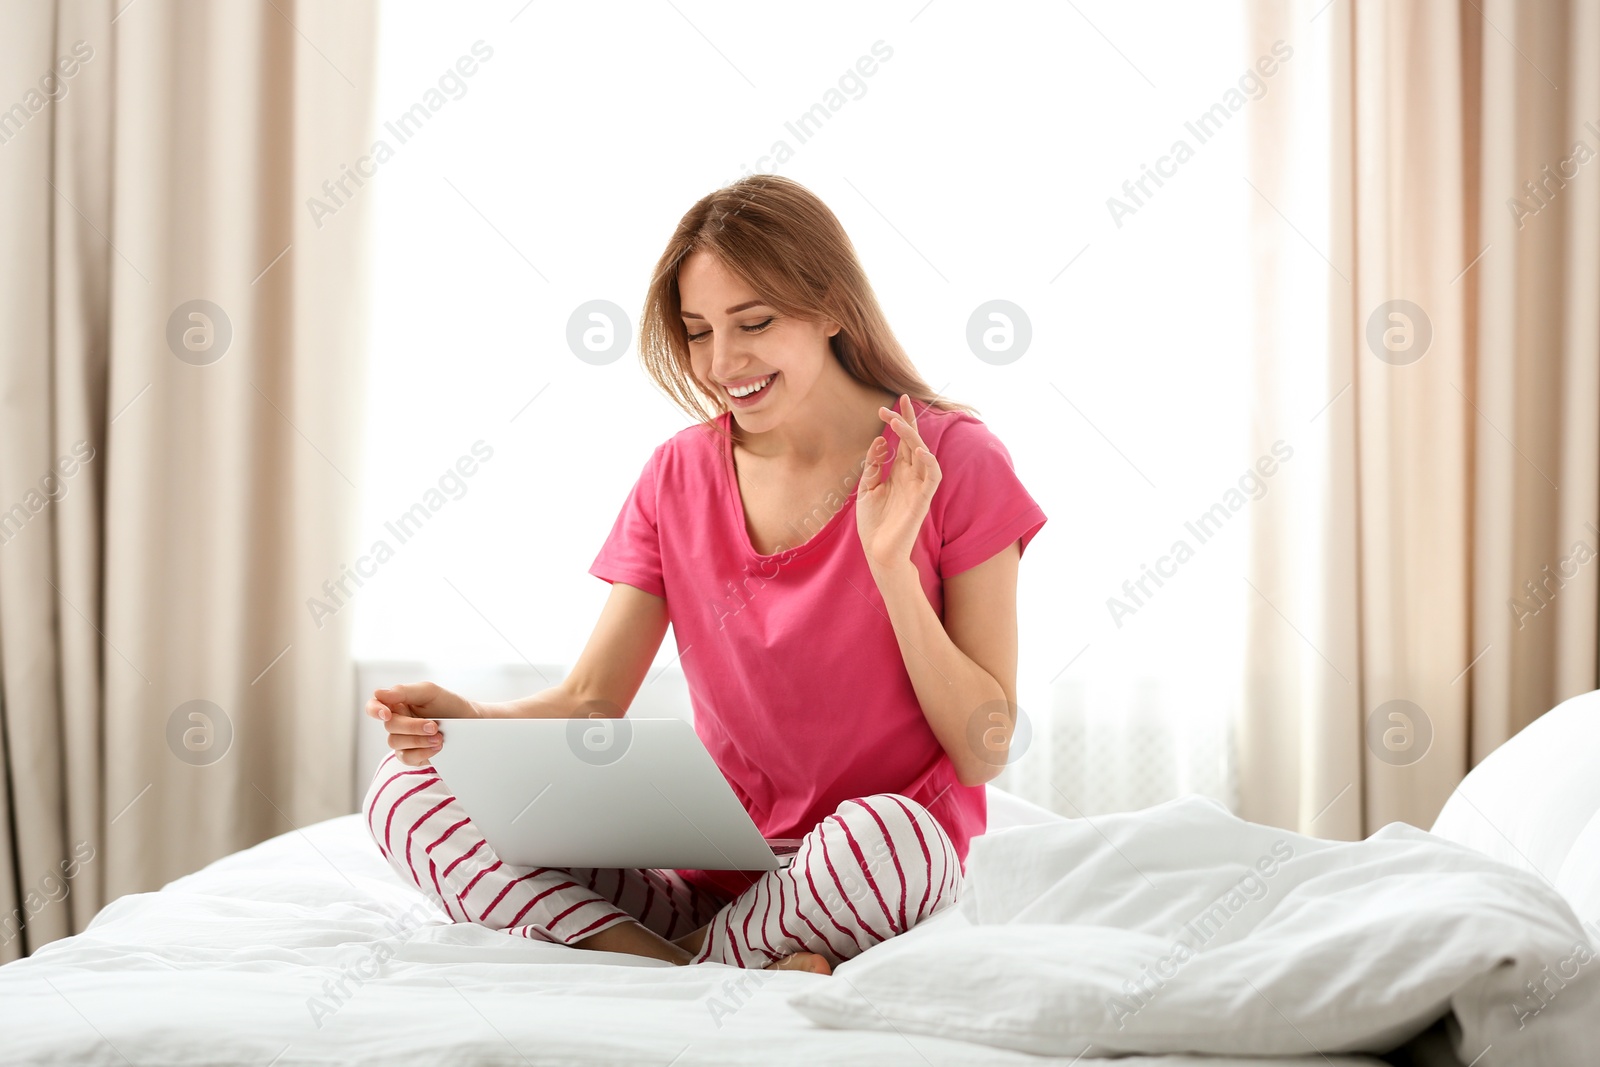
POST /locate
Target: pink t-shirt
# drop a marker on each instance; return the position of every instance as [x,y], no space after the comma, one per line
[798,686]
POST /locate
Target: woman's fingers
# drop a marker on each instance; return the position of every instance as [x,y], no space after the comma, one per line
[913,453]
[425,743]
[871,473]
[413,757]
[928,467]
[425,699]
[404,700]
[407,724]
[400,708]
[904,425]
[406,727]
[386,703]
[418,733]
[410,693]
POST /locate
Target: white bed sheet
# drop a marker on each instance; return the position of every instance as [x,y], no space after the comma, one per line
[226,966]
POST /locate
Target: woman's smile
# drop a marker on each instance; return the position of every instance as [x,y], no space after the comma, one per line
[751,391]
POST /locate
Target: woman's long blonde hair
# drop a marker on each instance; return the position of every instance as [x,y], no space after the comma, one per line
[786,244]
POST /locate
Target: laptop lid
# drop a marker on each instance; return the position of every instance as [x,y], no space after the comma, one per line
[599,793]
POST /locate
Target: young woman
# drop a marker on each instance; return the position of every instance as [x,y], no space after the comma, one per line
[836,548]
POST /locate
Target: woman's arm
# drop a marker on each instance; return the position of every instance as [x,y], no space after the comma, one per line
[611,669]
[965,669]
[604,682]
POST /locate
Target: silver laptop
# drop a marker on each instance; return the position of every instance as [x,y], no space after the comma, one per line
[601,793]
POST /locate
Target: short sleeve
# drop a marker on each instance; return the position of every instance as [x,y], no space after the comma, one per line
[980,505]
[631,553]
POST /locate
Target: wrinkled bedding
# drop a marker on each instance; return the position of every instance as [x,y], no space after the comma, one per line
[308,949]
[1182,928]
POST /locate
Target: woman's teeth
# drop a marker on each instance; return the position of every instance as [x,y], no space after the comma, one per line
[752,388]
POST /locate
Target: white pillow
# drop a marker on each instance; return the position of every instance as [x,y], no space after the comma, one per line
[1534,803]
[1184,929]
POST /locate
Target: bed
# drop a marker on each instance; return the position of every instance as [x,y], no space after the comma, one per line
[308,949]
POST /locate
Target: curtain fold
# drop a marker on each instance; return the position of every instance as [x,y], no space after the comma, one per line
[1421,597]
[1538,375]
[179,424]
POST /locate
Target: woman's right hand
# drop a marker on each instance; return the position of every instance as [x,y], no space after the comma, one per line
[407,713]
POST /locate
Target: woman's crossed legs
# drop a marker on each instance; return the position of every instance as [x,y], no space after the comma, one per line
[876,867]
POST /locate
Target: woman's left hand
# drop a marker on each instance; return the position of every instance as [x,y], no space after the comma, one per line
[891,502]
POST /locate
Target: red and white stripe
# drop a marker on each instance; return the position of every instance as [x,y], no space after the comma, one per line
[425,834]
[874,868]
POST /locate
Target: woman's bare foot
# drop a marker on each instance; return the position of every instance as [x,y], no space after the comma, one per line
[635,939]
[800,961]
[694,940]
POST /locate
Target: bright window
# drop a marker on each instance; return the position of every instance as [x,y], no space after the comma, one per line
[976,163]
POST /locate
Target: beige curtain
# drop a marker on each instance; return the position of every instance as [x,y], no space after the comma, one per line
[1438,549]
[178,413]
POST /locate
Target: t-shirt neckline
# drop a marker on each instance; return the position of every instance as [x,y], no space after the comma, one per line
[731,479]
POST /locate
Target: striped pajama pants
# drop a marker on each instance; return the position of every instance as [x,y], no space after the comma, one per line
[876,867]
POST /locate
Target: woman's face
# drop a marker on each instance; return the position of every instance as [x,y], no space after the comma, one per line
[737,341]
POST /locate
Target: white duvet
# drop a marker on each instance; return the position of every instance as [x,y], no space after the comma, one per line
[1182,928]
[308,949]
